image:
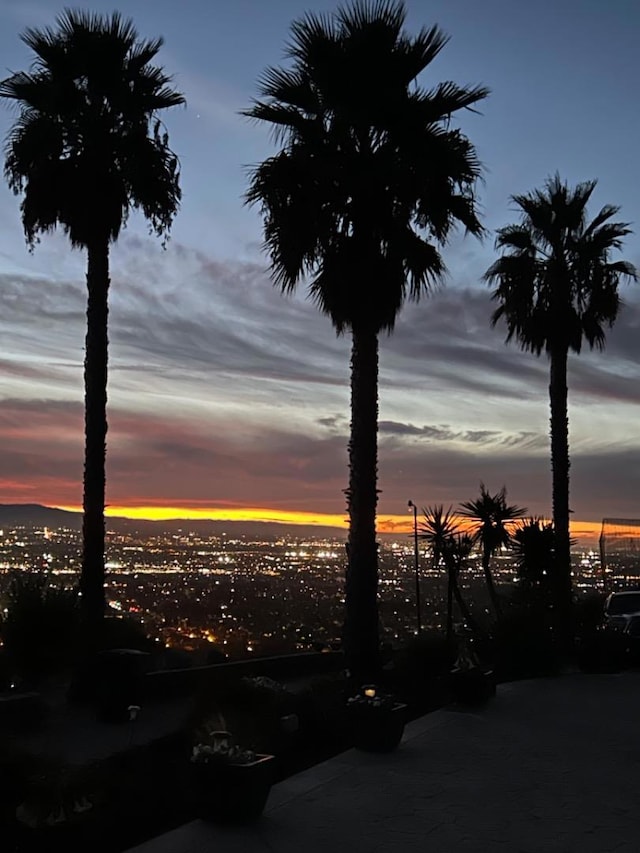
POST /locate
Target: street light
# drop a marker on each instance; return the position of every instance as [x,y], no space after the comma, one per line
[412,506]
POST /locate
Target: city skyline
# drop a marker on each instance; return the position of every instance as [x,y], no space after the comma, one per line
[226,397]
[260,594]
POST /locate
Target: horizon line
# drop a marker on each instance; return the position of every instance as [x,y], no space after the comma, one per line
[386,523]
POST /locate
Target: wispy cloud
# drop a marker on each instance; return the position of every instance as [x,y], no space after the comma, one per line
[222,391]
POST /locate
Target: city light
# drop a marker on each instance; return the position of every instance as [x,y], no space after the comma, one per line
[199,592]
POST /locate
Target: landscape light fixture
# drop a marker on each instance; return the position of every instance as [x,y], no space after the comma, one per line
[413,507]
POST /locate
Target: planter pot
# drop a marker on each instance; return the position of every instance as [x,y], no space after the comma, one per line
[232,793]
[377,729]
[72,831]
[289,724]
[472,686]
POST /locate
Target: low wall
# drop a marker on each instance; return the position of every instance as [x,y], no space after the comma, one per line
[183,682]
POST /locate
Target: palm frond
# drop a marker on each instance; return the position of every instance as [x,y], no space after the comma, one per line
[87,146]
[370,179]
[556,284]
[439,528]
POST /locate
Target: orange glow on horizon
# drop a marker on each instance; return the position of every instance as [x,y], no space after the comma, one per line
[399,524]
[165,513]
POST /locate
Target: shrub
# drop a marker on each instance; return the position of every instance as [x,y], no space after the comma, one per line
[40,629]
[602,650]
[589,613]
[419,665]
[249,708]
[125,633]
[97,675]
[322,708]
[523,644]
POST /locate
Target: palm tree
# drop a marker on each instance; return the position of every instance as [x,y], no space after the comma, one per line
[557,287]
[440,529]
[86,148]
[533,548]
[491,521]
[369,182]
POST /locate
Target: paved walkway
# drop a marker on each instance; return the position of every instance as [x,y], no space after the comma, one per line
[551,766]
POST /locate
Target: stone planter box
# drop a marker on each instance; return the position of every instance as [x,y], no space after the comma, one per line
[232,793]
[377,729]
[472,686]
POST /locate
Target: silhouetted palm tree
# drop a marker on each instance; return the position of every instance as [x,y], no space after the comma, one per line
[491,520]
[369,182]
[86,148]
[440,529]
[533,546]
[557,286]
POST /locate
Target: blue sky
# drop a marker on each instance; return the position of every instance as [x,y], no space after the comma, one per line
[224,393]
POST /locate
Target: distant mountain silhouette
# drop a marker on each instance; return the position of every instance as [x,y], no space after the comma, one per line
[36,515]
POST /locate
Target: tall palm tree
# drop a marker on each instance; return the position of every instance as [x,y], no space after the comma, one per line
[557,287]
[491,520]
[86,148]
[369,182]
[440,529]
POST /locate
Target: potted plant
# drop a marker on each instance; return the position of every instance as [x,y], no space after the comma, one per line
[54,803]
[377,719]
[231,784]
[470,684]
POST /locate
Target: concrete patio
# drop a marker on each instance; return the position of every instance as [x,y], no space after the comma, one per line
[550,766]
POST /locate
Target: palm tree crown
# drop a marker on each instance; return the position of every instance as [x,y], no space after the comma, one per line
[370,174]
[556,282]
[439,529]
[491,520]
[81,149]
[533,546]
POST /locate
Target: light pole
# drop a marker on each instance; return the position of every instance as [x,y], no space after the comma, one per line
[412,506]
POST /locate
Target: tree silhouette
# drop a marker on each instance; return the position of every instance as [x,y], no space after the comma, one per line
[533,547]
[491,519]
[368,183]
[86,148]
[557,287]
[440,529]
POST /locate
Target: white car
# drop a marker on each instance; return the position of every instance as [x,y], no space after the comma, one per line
[620,608]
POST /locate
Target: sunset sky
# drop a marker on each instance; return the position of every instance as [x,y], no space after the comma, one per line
[226,396]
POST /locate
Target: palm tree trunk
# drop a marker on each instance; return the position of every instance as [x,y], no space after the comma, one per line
[491,587]
[558,396]
[463,606]
[95,432]
[450,585]
[360,633]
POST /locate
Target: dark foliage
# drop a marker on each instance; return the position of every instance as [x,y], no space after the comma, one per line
[40,629]
[419,669]
[125,633]
[491,519]
[602,650]
[533,550]
[88,146]
[589,613]
[250,708]
[451,548]
[524,644]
